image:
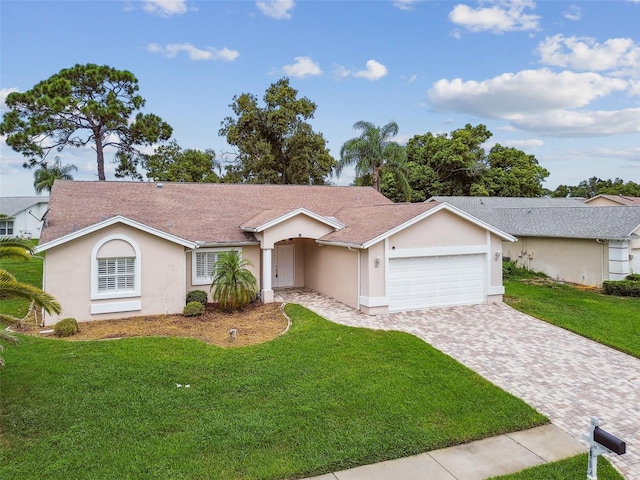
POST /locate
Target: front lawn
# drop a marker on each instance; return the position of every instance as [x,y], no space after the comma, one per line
[322,398]
[612,321]
[567,469]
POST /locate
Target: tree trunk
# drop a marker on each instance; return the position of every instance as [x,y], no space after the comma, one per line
[100,156]
[376,178]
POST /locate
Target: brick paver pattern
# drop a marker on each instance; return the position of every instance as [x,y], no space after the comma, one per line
[564,376]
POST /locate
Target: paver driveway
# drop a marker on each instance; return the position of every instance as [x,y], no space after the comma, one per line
[566,377]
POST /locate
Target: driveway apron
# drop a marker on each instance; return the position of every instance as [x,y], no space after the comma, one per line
[566,377]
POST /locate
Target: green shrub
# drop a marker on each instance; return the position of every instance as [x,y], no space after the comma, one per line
[193,309]
[197,296]
[622,288]
[634,277]
[66,327]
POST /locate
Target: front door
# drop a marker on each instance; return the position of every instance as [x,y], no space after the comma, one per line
[283,266]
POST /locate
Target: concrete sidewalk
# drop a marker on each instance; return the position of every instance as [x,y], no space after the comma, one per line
[486,458]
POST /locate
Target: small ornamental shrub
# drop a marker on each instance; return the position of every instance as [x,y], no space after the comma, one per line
[66,327]
[193,309]
[197,296]
[634,277]
[622,288]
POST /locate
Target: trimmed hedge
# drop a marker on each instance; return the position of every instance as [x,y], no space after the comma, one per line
[193,309]
[634,277]
[622,288]
[66,327]
[197,296]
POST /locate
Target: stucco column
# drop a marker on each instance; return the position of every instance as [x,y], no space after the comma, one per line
[267,291]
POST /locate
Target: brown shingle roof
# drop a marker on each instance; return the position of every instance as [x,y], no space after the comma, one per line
[193,211]
[621,199]
[366,223]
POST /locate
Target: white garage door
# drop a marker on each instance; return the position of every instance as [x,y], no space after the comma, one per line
[634,264]
[423,282]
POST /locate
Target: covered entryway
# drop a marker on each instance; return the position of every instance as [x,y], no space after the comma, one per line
[424,282]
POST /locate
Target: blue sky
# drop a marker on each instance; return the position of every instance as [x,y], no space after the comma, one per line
[559,80]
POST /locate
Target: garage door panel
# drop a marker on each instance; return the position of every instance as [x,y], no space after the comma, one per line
[423,282]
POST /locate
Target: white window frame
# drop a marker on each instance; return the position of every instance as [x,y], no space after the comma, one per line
[136,291]
[9,222]
[195,280]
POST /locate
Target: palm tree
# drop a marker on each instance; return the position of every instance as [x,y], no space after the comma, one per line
[44,177]
[10,287]
[373,152]
[233,285]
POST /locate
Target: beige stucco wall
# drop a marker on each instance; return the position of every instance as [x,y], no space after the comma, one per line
[581,261]
[442,229]
[332,271]
[299,226]
[67,275]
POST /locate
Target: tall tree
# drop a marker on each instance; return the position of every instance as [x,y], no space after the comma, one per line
[457,164]
[275,144]
[511,173]
[374,153]
[10,287]
[87,105]
[44,177]
[170,163]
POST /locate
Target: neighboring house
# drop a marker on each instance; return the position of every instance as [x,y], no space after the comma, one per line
[120,249]
[563,237]
[22,216]
[613,201]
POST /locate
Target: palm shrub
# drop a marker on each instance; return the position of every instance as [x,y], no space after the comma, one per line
[233,285]
[10,287]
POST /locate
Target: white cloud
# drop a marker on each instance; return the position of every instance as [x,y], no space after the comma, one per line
[406,5]
[565,123]
[634,87]
[195,54]
[278,9]
[574,13]
[498,17]
[585,53]
[526,145]
[165,8]
[539,101]
[4,92]
[304,66]
[509,95]
[374,71]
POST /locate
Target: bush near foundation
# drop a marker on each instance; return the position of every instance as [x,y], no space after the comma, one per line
[66,327]
[197,296]
[621,288]
[193,309]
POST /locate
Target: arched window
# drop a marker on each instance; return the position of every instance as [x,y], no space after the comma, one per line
[115,268]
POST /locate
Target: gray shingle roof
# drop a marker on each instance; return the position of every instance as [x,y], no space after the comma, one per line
[526,219]
[11,206]
[465,202]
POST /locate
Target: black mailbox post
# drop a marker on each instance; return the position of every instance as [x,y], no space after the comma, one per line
[601,442]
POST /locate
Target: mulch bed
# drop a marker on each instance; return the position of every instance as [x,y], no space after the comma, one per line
[258,323]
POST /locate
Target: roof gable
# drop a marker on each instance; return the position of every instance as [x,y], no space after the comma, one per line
[107,223]
[367,226]
[269,218]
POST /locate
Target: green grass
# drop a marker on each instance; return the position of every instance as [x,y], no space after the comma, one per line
[612,321]
[27,272]
[568,469]
[323,397]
